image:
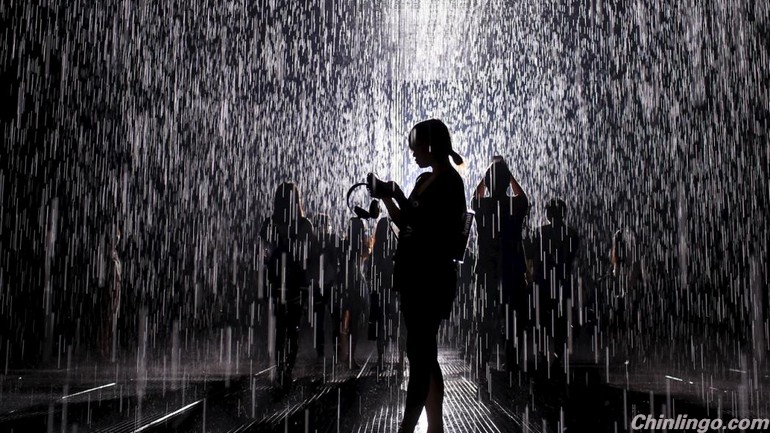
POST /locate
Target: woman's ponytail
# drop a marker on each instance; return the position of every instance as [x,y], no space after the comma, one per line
[456,158]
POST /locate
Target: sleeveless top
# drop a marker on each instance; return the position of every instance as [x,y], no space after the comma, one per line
[430,227]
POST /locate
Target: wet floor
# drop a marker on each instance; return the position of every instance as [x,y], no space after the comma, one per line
[244,396]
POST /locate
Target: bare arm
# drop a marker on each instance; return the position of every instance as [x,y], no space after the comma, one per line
[393,210]
[481,189]
[516,188]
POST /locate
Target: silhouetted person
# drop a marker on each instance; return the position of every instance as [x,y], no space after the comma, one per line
[129,316]
[289,236]
[500,265]
[111,306]
[326,270]
[464,317]
[553,249]
[354,290]
[757,346]
[626,264]
[430,223]
[623,300]
[383,316]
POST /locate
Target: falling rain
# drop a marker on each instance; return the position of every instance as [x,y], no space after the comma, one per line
[144,144]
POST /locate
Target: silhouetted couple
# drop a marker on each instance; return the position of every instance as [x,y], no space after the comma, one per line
[506,306]
[298,261]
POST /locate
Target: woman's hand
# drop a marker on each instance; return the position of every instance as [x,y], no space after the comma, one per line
[381,189]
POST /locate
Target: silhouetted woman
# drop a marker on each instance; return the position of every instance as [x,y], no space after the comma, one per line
[289,236]
[326,272]
[111,307]
[500,263]
[383,316]
[430,223]
[354,290]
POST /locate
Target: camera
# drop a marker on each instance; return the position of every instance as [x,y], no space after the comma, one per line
[378,188]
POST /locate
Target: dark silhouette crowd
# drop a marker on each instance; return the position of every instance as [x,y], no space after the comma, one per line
[395,279]
[506,288]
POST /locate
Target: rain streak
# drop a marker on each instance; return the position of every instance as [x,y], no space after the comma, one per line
[145,144]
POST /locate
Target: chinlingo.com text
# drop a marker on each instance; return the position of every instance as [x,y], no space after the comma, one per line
[701,425]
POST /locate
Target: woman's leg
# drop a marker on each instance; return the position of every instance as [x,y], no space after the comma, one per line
[435,401]
[419,376]
[422,351]
[319,309]
[291,346]
[280,341]
[344,342]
